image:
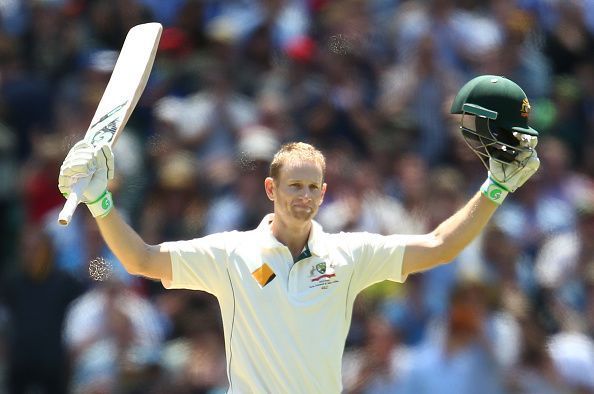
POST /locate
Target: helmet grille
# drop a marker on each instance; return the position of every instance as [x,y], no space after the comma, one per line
[489,141]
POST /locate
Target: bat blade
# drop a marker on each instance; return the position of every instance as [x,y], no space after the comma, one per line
[125,86]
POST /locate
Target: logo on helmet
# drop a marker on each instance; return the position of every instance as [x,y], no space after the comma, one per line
[525,110]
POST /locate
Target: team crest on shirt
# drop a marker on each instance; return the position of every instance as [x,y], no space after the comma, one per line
[322,275]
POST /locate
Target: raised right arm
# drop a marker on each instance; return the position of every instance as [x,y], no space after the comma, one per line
[137,257]
[94,166]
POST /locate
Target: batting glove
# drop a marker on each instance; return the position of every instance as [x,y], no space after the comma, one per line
[92,167]
[506,178]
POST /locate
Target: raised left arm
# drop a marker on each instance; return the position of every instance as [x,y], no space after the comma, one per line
[443,244]
[449,238]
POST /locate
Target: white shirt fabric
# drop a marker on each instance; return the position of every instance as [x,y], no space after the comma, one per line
[288,335]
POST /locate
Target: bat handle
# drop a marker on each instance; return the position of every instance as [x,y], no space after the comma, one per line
[72,201]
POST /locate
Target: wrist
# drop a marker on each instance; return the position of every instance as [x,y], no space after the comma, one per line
[101,206]
[494,191]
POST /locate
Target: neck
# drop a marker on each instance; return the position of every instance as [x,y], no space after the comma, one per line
[292,235]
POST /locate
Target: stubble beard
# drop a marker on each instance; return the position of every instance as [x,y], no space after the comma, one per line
[303,214]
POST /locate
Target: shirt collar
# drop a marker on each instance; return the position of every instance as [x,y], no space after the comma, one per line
[315,242]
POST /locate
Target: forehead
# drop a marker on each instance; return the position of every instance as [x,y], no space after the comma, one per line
[301,169]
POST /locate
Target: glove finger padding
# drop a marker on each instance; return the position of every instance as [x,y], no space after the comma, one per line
[79,160]
[78,168]
[77,164]
[80,145]
[66,183]
[80,149]
[87,162]
[526,141]
[513,175]
[529,169]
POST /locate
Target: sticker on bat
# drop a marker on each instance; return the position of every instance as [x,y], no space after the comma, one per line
[109,114]
[107,132]
[105,135]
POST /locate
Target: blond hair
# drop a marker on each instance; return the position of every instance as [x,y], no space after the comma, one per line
[295,151]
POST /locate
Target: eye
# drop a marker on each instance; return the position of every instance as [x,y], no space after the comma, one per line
[316,187]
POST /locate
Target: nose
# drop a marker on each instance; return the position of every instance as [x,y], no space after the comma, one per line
[306,194]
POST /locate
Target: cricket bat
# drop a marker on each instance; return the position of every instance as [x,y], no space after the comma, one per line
[121,95]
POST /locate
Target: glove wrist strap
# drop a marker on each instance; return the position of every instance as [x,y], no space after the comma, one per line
[101,206]
[494,191]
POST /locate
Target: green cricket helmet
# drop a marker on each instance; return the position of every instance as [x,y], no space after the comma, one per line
[493,108]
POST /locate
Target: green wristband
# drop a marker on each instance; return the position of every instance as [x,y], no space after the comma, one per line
[101,206]
[494,191]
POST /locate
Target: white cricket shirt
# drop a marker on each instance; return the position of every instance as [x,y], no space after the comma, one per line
[285,323]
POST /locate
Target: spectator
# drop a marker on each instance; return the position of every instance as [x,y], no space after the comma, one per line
[9,206]
[363,207]
[41,196]
[109,332]
[239,205]
[196,360]
[208,122]
[564,259]
[36,297]
[410,314]
[535,371]
[174,195]
[461,360]
[505,266]
[414,90]
[349,75]
[453,28]
[569,42]
[380,364]
[572,354]
[589,309]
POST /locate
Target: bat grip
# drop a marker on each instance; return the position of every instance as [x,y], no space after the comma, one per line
[72,201]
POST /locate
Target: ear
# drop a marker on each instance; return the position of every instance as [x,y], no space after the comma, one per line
[269,188]
[324,185]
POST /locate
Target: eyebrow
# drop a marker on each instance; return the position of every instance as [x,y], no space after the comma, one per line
[302,181]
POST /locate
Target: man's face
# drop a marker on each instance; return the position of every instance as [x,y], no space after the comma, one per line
[298,192]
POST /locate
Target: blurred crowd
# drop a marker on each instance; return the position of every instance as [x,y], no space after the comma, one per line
[369,82]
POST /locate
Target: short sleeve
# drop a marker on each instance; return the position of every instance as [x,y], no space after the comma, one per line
[375,257]
[198,264]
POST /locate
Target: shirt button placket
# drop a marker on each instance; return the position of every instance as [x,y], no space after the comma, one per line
[293,277]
